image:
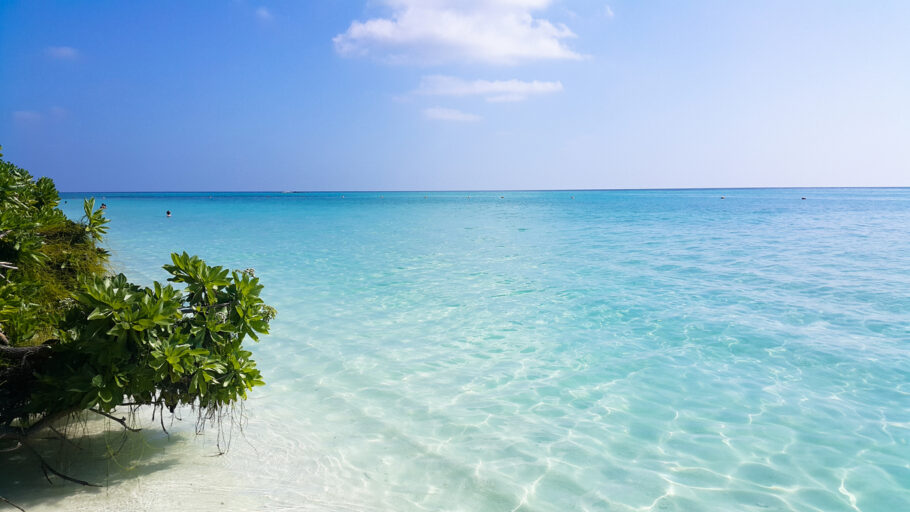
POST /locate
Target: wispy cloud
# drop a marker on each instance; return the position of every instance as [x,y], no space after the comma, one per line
[34,116]
[62,52]
[491,31]
[58,112]
[264,14]
[449,114]
[608,12]
[27,116]
[491,90]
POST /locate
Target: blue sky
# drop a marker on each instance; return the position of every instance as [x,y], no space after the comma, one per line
[446,94]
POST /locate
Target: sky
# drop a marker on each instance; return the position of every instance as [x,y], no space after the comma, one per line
[455,94]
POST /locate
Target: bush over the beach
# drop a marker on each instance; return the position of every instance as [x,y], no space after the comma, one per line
[76,339]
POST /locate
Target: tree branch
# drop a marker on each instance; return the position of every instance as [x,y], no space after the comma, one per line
[209,306]
[20,352]
[44,422]
[121,421]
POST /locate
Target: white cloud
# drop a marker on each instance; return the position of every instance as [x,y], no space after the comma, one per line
[62,52]
[495,91]
[608,12]
[449,114]
[489,31]
[264,14]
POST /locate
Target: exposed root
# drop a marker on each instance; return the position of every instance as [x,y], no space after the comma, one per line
[10,503]
[11,449]
[47,468]
[224,419]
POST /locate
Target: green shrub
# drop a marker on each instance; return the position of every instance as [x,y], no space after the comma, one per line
[74,337]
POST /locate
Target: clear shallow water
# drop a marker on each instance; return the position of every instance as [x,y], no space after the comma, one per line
[629,350]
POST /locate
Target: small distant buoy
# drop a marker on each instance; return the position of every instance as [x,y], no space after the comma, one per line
[803,198]
[722,197]
[502,197]
[168,213]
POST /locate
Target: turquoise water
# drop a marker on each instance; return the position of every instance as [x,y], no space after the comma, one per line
[554,351]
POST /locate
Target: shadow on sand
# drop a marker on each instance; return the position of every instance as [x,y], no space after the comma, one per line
[90,452]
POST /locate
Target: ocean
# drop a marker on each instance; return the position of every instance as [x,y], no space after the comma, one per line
[698,350]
